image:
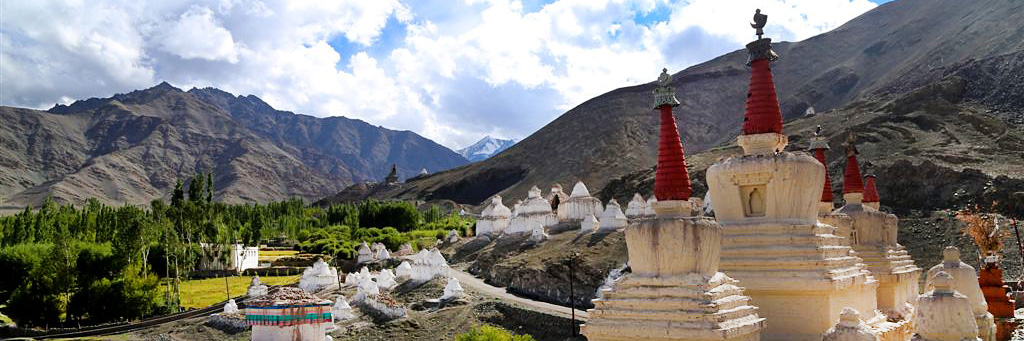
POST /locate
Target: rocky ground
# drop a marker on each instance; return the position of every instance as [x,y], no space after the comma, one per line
[541,271]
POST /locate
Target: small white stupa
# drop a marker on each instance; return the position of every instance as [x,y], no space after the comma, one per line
[943,313]
[850,328]
[965,282]
[404,270]
[232,308]
[341,310]
[537,234]
[589,224]
[425,265]
[452,236]
[351,279]
[386,280]
[318,276]
[535,210]
[404,250]
[452,290]
[383,254]
[256,288]
[579,204]
[649,210]
[368,286]
[636,207]
[494,219]
[365,255]
[612,219]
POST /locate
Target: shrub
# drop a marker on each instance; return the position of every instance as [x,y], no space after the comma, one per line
[491,333]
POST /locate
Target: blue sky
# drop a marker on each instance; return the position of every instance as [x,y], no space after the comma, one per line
[452,71]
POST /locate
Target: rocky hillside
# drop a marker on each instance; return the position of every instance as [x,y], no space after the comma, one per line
[132,148]
[890,53]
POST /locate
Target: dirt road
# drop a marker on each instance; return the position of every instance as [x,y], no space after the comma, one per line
[468,280]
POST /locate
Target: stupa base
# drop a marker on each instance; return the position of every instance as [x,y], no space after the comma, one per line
[690,307]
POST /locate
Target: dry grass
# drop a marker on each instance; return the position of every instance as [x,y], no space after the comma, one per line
[202,293]
[270,256]
[983,228]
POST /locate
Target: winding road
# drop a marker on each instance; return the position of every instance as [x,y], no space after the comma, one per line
[468,280]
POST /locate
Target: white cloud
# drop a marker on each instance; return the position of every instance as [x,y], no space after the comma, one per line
[451,71]
[198,35]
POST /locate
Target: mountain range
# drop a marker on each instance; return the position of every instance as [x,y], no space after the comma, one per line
[133,147]
[485,148]
[928,86]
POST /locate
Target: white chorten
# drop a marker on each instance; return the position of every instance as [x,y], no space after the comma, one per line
[318,276]
[965,282]
[537,234]
[873,235]
[368,287]
[341,311]
[352,279]
[256,288]
[675,291]
[589,224]
[365,255]
[850,328]
[404,270]
[494,219]
[452,289]
[452,236]
[798,273]
[636,207]
[579,204]
[386,280]
[649,209]
[383,254]
[231,307]
[404,250]
[425,265]
[612,219]
[945,314]
[536,210]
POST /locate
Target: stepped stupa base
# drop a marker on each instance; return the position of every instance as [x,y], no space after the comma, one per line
[691,307]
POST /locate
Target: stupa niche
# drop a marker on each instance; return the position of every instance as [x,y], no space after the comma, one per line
[494,219]
[965,282]
[675,290]
[556,197]
[767,203]
[535,210]
[873,236]
[579,204]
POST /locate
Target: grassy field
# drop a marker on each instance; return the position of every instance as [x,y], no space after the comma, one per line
[202,293]
[270,256]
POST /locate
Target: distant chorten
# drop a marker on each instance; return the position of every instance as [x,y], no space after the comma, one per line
[393,176]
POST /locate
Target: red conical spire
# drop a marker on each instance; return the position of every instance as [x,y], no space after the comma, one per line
[763,114]
[870,191]
[671,180]
[852,182]
[819,144]
[826,191]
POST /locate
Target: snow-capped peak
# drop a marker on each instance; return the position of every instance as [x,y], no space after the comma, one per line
[485,148]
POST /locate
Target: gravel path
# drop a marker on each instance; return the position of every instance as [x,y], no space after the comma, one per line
[468,280]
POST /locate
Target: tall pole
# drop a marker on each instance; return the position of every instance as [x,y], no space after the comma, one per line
[572,302]
[1020,246]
